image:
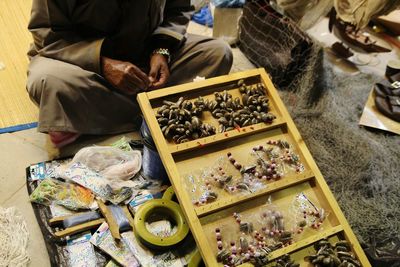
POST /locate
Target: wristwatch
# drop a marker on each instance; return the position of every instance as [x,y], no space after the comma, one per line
[163,51]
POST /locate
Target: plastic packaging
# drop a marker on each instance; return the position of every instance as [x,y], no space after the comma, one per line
[114,164]
[118,251]
[70,196]
[80,252]
[86,177]
[306,213]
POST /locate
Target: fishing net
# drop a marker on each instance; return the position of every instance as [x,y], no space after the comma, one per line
[277,44]
[360,166]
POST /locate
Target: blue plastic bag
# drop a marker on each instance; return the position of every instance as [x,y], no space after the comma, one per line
[204,17]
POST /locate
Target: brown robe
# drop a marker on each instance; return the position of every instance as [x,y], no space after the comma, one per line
[64,75]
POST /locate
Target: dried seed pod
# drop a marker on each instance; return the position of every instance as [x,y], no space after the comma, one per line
[243,186]
[162,121]
[195,135]
[246,123]
[246,227]
[206,103]
[223,255]
[237,101]
[195,122]
[175,138]
[211,196]
[168,103]
[223,121]
[245,99]
[174,106]
[343,243]
[244,244]
[225,96]
[165,112]
[341,248]
[229,103]
[223,181]
[215,111]
[169,130]
[179,102]
[213,105]
[180,130]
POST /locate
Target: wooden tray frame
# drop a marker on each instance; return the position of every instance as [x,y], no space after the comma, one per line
[284,121]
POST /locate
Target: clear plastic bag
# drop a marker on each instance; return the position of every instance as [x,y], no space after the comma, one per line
[114,164]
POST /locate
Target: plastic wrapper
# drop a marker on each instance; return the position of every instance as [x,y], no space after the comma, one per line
[307,214]
[119,252]
[84,176]
[114,164]
[148,258]
[80,251]
[70,196]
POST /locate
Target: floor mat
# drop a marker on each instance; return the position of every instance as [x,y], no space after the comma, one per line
[16,109]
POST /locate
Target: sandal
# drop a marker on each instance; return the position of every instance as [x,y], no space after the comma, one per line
[389,106]
[395,78]
[386,88]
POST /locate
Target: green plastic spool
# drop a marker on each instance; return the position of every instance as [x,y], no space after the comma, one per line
[169,209]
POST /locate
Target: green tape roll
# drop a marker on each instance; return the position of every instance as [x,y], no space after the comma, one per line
[170,210]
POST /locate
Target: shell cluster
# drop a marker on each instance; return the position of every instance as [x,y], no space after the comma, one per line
[180,121]
[337,255]
[234,113]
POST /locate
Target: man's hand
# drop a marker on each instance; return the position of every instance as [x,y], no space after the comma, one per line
[159,71]
[124,76]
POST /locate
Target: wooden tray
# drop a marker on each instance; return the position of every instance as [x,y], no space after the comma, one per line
[183,159]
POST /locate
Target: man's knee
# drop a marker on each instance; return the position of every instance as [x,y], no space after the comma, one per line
[222,54]
[40,81]
[48,77]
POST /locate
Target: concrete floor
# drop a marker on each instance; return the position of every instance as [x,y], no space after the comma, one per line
[21,149]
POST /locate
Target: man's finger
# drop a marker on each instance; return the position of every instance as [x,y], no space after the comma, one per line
[153,74]
[134,71]
[135,82]
[164,75]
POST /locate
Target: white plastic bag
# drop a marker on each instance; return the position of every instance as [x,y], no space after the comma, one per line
[114,164]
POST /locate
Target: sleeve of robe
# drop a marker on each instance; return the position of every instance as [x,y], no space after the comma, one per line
[171,33]
[54,37]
